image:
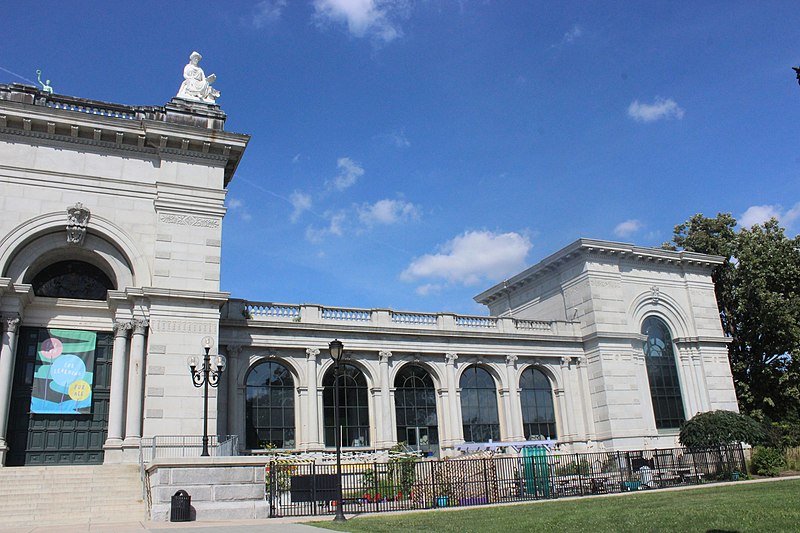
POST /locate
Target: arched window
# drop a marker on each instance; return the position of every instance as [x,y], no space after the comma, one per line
[479,406]
[353,406]
[270,406]
[72,279]
[415,406]
[662,373]
[536,397]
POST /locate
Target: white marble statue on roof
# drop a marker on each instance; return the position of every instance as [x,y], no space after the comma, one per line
[196,86]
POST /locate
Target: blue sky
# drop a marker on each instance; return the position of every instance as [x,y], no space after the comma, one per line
[410,154]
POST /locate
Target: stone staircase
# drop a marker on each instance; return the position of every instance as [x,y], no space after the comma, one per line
[37,496]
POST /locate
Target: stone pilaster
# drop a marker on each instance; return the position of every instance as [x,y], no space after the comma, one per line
[312,422]
[513,407]
[10,325]
[386,429]
[119,364]
[136,370]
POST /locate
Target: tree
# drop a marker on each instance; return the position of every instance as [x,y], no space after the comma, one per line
[715,429]
[758,293]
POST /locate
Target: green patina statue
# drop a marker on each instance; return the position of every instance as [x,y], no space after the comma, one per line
[46,87]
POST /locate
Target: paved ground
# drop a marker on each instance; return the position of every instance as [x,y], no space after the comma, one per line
[273,525]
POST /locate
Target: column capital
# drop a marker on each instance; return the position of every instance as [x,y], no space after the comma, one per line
[233,350]
[140,326]
[511,360]
[450,358]
[11,323]
[384,355]
[312,353]
[121,328]
[565,362]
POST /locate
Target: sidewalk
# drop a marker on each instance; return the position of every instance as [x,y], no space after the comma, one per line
[272,525]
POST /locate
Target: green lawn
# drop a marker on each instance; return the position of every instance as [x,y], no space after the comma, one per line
[772,506]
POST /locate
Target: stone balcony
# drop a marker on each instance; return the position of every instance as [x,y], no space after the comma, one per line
[306,315]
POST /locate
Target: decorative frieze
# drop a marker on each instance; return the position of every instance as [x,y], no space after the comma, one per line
[189,220]
[183,326]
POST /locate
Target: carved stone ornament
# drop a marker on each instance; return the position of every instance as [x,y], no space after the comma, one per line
[196,86]
[384,356]
[77,221]
[140,326]
[450,358]
[312,353]
[121,328]
[511,360]
[655,294]
[10,324]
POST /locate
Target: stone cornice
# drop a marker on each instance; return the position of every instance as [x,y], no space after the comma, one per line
[584,249]
[172,131]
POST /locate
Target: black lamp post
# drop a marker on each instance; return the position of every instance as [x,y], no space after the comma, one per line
[337,349]
[206,376]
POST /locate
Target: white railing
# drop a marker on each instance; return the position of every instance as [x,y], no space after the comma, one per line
[348,315]
[422,319]
[476,321]
[272,311]
[306,314]
[91,110]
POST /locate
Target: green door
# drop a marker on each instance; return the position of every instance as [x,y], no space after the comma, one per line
[51,439]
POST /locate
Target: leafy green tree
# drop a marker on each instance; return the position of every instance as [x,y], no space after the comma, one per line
[714,429]
[758,293]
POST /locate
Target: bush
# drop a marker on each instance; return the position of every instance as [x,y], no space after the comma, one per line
[767,461]
[714,429]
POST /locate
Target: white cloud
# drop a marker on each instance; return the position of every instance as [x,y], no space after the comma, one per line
[301,202]
[373,18]
[388,212]
[572,34]
[335,227]
[349,172]
[237,206]
[628,228]
[472,257]
[399,139]
[267,12]
[758,214]
[658,110]
[428,289]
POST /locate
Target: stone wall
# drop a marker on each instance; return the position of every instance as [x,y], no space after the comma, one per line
[221,488]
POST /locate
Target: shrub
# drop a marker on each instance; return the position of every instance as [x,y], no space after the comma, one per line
[720,428]
[767,461]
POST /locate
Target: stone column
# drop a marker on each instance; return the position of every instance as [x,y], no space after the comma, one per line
[312,439]
[8,351]
[586,400]
[455,432]
[688,388]
[232,412]
[116,404]
[700,378]
[386,431]
[568,408]
[133,421]
[513,407]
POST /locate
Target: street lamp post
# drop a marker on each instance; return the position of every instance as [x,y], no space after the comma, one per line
[337,349]
[206,376]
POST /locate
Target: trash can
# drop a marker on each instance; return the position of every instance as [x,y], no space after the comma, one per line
[181,504]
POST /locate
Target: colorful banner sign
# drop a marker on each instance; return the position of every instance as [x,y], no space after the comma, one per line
[62,382]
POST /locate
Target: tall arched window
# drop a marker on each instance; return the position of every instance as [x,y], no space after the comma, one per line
[353,406]
[536,397]
[662,373]
[479,406]
[270,406]
[72,279]
[415,406]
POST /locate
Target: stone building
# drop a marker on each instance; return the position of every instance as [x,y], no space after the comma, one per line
[110,251]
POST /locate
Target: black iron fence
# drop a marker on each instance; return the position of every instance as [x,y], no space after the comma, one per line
[296,488]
